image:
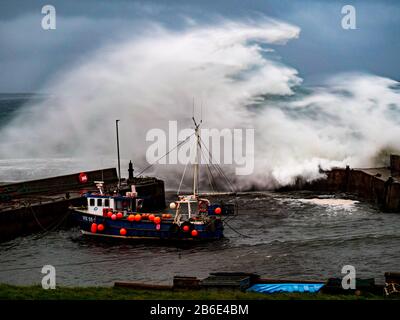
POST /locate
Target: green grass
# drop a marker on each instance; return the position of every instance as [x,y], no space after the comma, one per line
[9,292]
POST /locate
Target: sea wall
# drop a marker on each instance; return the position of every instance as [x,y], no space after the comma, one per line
[57,184]
[376,185]
[40,217]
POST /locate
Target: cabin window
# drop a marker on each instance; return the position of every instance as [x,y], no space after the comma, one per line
[99,202]
[91,202]
[119,205]
[107,203]
[122,204]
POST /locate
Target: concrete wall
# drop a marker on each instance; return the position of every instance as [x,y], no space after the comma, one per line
[41,217]
[57,184]
[395,164]
[384,194]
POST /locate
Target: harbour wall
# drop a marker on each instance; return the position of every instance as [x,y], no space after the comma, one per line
[380,186]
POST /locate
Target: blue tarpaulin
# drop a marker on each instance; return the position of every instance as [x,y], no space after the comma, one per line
[285,287]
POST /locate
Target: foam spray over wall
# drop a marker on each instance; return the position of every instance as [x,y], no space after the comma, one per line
[229,68]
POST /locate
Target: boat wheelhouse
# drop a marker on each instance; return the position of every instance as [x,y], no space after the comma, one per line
[100,203]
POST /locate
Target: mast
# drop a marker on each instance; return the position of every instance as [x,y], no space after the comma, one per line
[119,161]
[196,161]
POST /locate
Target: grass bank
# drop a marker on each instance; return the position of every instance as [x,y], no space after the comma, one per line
[9,292]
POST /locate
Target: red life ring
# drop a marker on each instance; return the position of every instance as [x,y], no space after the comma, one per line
[83,178]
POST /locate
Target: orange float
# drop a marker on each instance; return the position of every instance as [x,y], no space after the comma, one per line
[186,228]
[131,217]
[93,228]
[195,233]
[138,217]
[122,232]
[119,215]
[100,227]
[113,216]
[157,220]
[151,217]
[218,210]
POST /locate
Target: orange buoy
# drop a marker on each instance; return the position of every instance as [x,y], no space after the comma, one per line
[138,217]
[122,232]
[114,216]
[93,228]
[195,233]
[186,228]
[109,214]
[157,220]
[131,217]
[100,227]
[218,210]
[151,217]
[119,215]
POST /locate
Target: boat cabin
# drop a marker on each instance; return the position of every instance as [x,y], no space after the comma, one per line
[97,204]
[189,206]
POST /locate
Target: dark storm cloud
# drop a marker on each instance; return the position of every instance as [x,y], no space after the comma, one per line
[30,56]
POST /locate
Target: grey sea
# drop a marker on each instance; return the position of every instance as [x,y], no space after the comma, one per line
[281,235]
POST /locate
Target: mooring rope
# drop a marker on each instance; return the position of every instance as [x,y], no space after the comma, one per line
[34,215]
[177,146]
[52,227]
[239,233]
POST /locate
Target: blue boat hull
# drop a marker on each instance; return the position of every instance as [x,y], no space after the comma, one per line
[146,229]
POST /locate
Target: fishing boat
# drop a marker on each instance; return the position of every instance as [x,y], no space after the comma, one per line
[190,217]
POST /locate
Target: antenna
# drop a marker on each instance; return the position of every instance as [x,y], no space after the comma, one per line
[119,161]
[201,110]
[193,108]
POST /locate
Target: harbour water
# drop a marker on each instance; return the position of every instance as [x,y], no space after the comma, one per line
[299,235]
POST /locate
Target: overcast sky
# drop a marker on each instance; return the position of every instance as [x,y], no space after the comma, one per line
[30,56]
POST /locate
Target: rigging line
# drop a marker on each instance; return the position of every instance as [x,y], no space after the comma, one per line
[209,154]
[209,174]
[210,177]
[218,168]
[177,146]
[183,176]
